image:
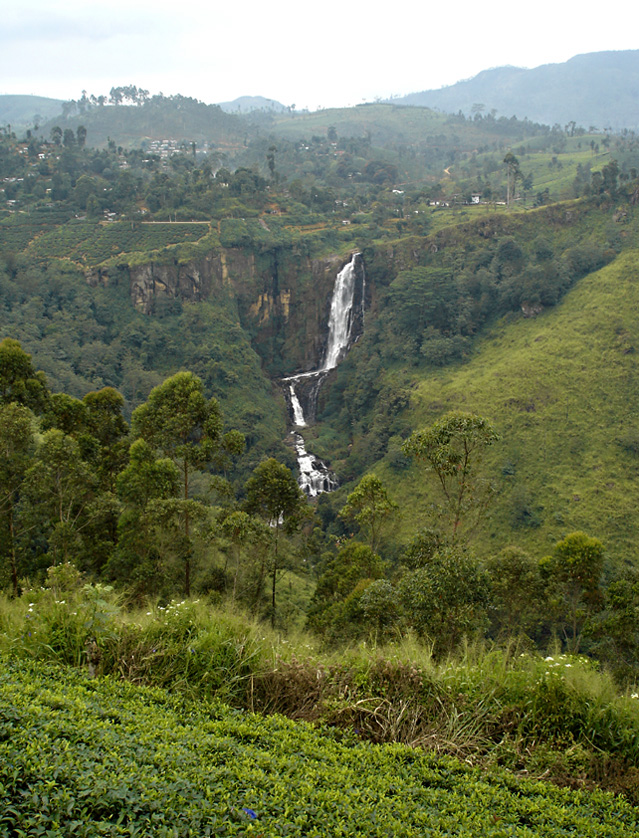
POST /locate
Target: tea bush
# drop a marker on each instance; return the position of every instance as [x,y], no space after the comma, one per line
[83,757]
[499,707]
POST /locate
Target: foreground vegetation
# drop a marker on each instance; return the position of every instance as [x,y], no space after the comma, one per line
[89,758]
[557,717]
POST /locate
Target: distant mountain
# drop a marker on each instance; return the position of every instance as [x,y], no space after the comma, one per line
[598,89]
[25,111]
[248,104]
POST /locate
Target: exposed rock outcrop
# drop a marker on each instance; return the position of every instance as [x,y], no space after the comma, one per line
[283,297]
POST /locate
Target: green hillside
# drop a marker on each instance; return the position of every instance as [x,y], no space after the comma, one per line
[562,389]
[22,112]
[178,118]
[91,243]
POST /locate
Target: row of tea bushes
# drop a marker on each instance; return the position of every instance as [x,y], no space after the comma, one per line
[82,757]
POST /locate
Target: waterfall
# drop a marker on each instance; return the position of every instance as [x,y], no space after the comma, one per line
[346,306]
[340,321]
[298,414]
[315,476]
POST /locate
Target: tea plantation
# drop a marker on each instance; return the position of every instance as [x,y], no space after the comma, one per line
[82,757]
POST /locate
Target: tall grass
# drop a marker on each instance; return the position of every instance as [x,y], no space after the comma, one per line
[558,716]
[184,646]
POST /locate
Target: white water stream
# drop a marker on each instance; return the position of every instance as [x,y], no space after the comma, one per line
[340,322]
[315,476]
[298,413]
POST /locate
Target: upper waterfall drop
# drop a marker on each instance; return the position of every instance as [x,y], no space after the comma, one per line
[340,322]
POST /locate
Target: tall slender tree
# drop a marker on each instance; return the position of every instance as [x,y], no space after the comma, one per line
[371,508]
[17,444]
[180,421]
[452,447]
[513,174]
[273,493]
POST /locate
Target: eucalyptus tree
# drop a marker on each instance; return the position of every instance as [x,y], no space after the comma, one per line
[371,508]
[107,426]
[19,380]
[179,420]
[146,481]
[60,497]
[249,540]
[513,174]
[17,446]
[446,599]
[272,492]
[517,591]
[573,572]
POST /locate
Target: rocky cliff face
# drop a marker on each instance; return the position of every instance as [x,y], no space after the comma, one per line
[193,282]
[149,282]
[290,310]
[283,297]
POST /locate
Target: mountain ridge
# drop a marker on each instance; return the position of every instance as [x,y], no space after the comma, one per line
[20,112]
[578,89]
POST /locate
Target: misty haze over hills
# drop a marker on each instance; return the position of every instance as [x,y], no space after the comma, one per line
[247,104]
[598,89]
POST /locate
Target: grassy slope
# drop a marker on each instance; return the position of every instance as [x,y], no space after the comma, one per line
[562,389]
[383,121]
[87,758]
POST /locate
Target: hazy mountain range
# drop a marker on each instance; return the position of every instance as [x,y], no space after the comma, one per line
[248,104]
[598,89]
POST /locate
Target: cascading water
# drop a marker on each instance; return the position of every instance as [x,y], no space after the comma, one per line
[341,321]
[298,413]
[315,476]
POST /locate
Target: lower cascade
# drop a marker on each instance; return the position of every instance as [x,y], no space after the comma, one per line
[345,325]
[315,476]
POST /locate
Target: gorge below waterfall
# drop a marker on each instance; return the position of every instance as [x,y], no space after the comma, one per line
[344,327]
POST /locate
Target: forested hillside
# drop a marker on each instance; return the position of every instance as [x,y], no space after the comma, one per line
[24,112]
[442,310]
[157,286]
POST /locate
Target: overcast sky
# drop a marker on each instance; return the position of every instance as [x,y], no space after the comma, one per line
[332,53]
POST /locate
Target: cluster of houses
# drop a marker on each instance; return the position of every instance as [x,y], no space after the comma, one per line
[163,148]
